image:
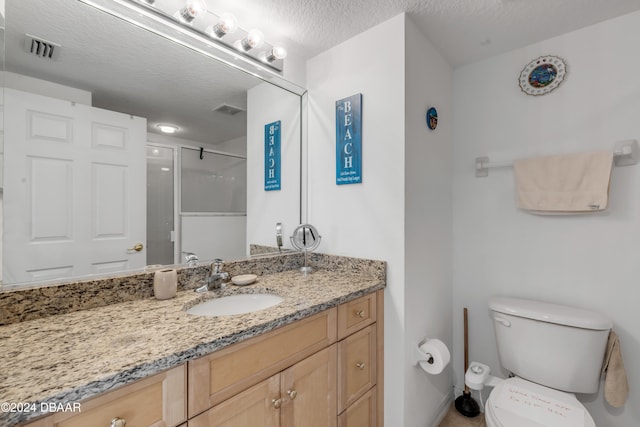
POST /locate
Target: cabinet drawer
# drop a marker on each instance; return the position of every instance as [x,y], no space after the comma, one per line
[356,366]
[159,400]
[226,372]
[355,315]
[362,413]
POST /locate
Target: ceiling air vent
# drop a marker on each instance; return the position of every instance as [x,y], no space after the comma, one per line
[40,47]
[227,109]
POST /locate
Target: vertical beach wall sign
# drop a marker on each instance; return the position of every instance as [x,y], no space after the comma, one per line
[349,140]
[272,156]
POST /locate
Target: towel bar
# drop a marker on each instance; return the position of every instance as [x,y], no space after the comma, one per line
[625,153]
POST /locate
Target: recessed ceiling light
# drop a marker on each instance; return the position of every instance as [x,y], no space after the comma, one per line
[167,128]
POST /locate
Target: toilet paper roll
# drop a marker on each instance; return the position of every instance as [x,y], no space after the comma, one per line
[165,283]
[439,359]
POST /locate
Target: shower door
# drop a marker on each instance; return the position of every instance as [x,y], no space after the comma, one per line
[160,205]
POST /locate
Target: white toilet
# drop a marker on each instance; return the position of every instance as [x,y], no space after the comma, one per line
[553,351]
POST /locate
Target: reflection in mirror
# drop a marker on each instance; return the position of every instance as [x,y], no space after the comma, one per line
[89,177]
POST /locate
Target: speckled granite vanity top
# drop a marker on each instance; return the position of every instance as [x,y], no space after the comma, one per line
[77,355]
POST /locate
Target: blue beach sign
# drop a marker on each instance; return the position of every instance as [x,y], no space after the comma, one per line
[272,156]
[349,140]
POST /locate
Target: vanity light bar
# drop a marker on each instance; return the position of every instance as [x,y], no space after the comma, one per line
[195,17]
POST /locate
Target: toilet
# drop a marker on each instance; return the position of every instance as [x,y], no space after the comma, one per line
[552,351]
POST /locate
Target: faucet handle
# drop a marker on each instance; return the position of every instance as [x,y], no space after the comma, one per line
[217,265]
[190,258]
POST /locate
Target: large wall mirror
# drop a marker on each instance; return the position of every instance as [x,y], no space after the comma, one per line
[92,187]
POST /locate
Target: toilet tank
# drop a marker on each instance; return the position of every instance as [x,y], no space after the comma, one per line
[553,345]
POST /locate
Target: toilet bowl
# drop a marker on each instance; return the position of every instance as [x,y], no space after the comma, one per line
[516,402]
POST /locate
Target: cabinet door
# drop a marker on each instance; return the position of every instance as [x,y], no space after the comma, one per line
[257,406]
[308,391]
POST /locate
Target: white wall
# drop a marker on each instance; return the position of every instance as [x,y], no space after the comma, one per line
[365,220]
[402,211]
[589,261]
[266,104]
[428,223]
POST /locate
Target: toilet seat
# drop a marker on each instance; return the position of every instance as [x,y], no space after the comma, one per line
[519,403]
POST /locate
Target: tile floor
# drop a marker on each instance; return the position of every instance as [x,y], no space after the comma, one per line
[455,419]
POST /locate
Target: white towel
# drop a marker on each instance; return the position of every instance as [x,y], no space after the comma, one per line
[561,185]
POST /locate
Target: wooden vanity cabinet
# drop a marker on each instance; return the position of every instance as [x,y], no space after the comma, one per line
[321,371]
[159,401]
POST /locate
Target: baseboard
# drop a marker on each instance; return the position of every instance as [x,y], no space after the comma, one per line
[443,409]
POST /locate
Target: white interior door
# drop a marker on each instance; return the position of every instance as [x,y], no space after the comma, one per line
[74,190]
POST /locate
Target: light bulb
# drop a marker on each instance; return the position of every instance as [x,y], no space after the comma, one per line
[276,52]
[226,25]
[254,40]
[191,9]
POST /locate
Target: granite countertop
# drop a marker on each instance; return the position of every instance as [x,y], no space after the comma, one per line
[75,356]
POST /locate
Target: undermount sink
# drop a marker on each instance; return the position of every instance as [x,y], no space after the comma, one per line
[235,304]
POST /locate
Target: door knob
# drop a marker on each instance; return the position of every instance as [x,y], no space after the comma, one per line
[137,247]
[292,394]
[118,422]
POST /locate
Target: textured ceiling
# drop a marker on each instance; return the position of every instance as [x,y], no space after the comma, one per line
[463,31]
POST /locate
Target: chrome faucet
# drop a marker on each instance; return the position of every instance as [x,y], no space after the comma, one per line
[216,278]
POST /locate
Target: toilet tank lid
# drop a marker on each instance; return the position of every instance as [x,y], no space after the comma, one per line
[551,313]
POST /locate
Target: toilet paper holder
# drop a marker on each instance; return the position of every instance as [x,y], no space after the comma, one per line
[421,356]
[431,355]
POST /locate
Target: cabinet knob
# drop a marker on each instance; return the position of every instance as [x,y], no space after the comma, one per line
[360,365]
[360,314]
[277,403]
[118,422]
[292,394]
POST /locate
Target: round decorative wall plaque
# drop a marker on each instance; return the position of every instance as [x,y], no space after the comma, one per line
[542,75]
[432,118]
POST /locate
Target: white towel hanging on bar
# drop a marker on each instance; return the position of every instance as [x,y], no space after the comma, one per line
[561,185]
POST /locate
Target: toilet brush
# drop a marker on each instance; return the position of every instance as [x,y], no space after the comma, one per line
[465,404]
